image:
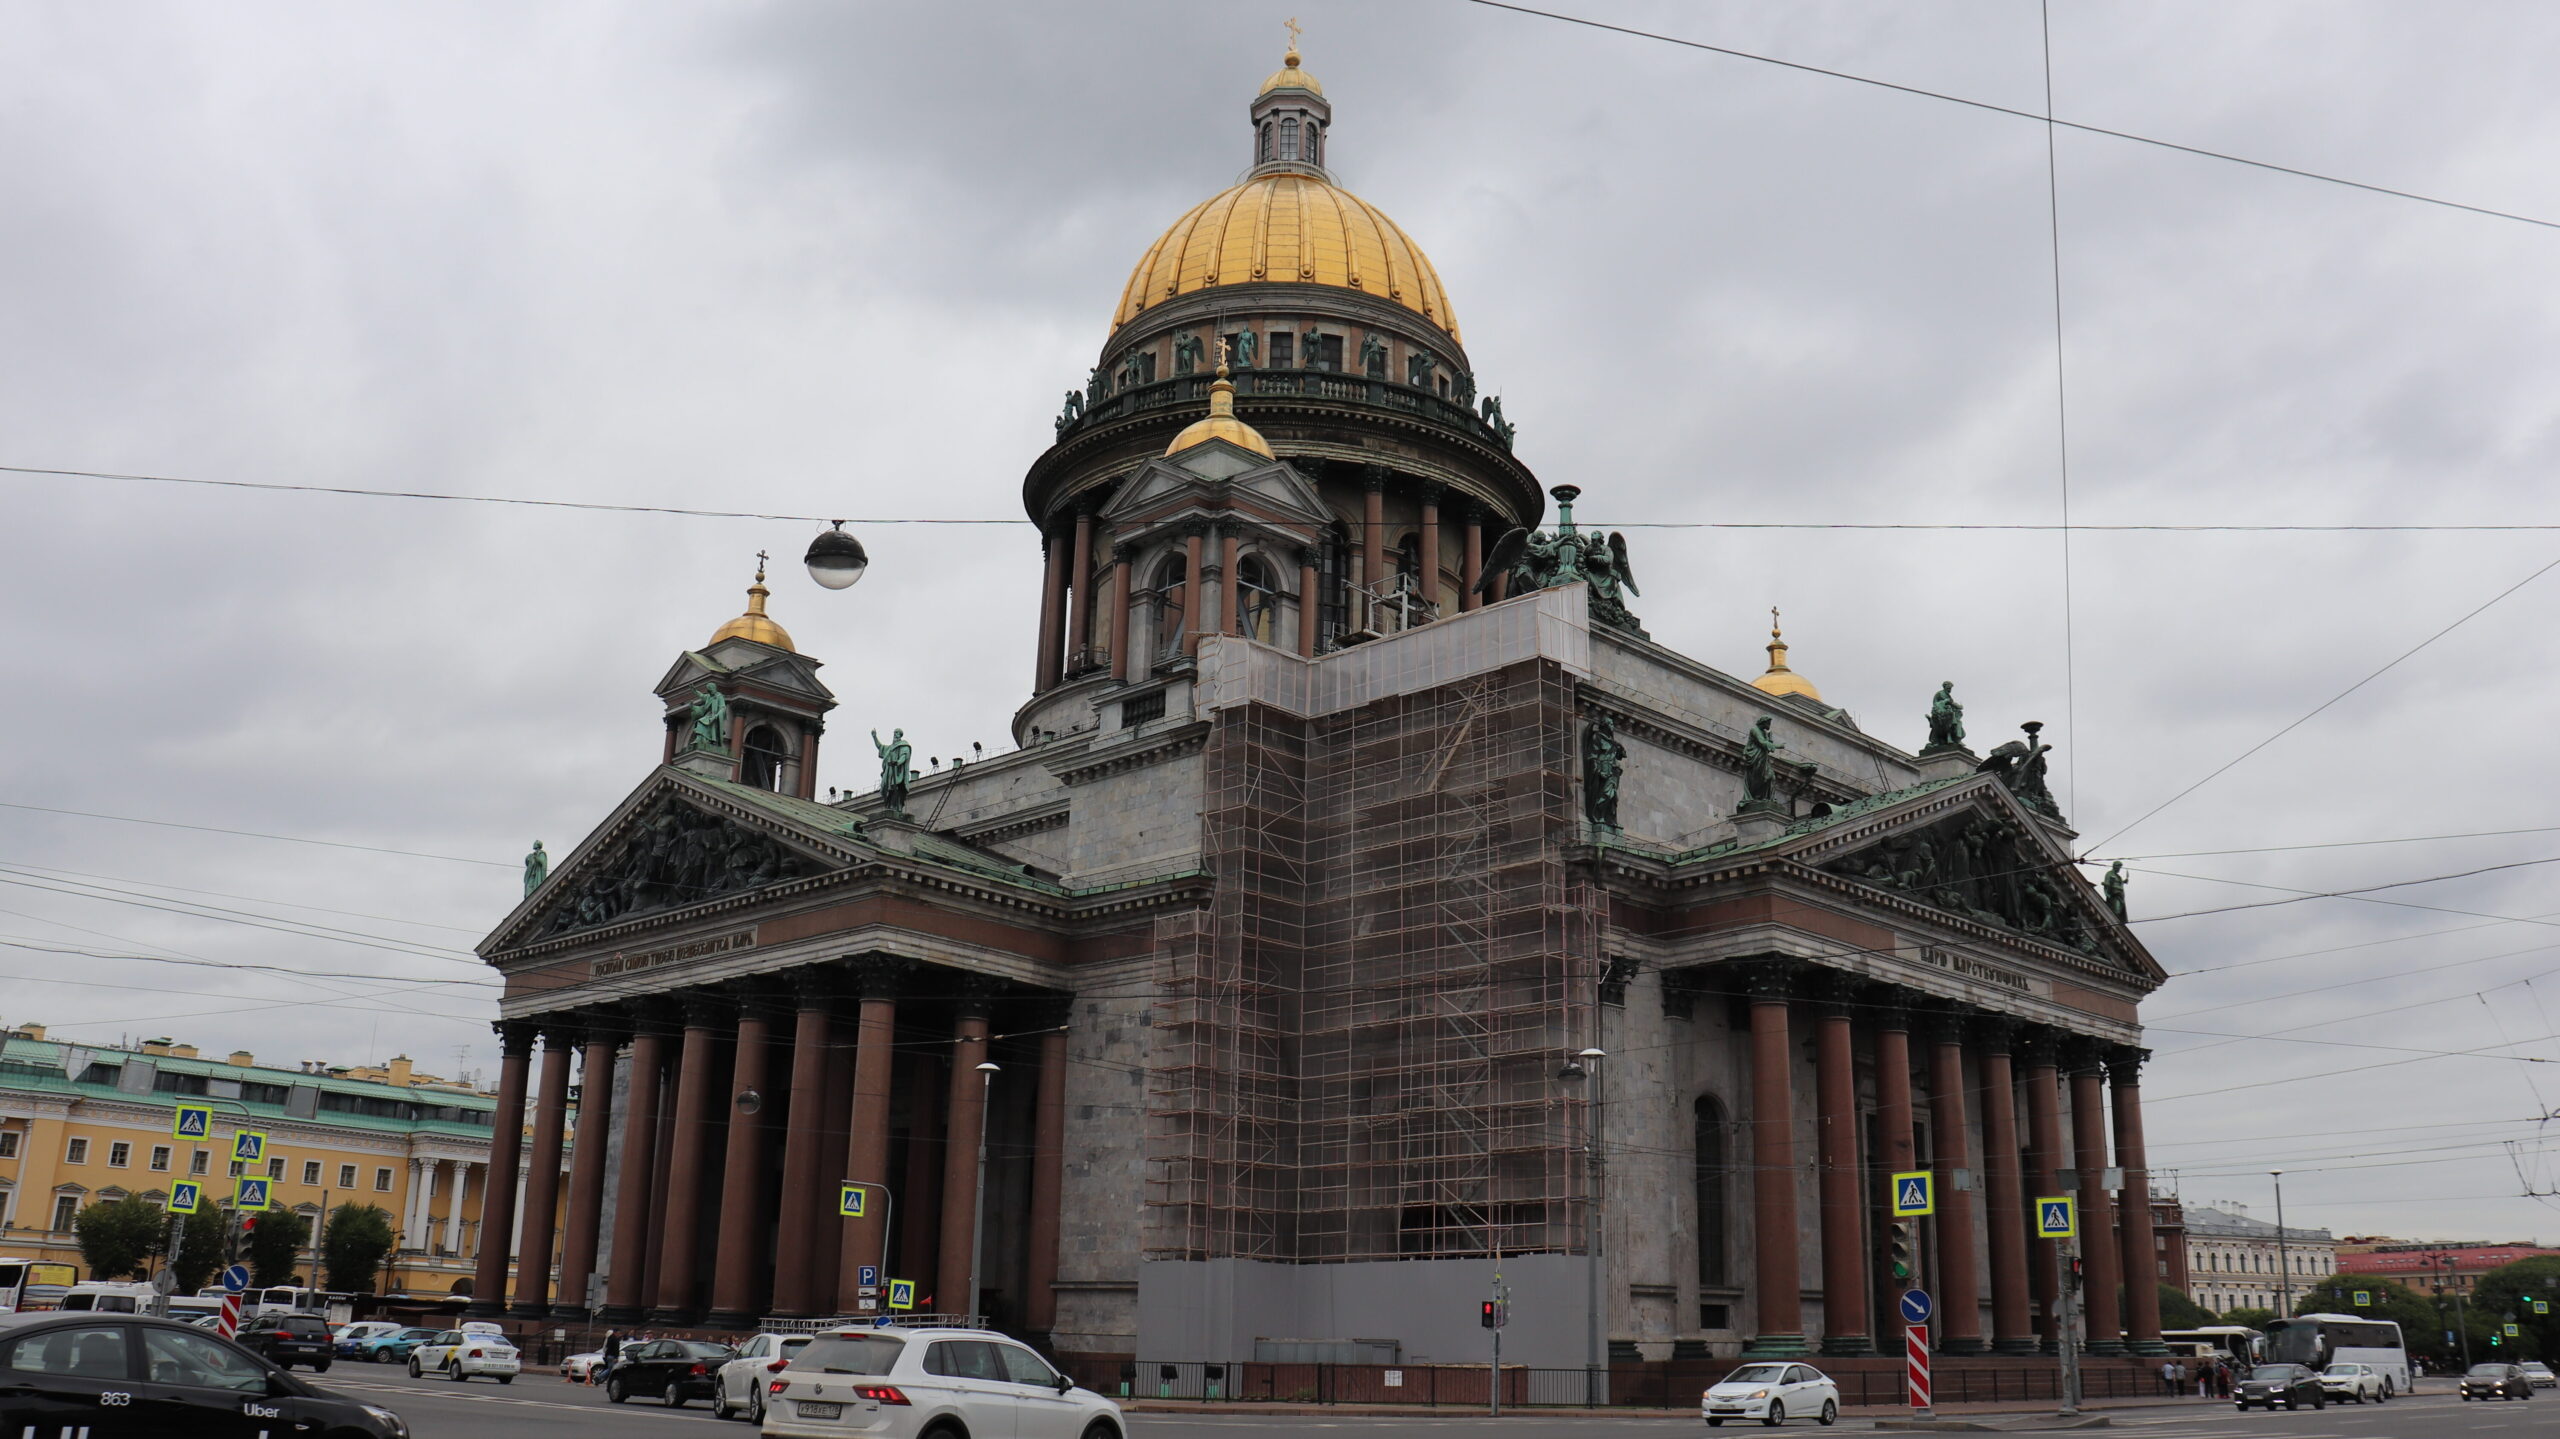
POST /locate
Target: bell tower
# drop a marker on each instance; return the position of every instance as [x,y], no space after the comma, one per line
[747,707]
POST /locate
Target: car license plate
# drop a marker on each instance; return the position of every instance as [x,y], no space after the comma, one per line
[812,1410]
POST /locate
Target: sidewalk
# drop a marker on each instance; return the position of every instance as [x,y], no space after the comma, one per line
[1850,1411]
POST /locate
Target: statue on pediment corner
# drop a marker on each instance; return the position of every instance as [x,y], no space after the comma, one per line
[1946,719]
[1604,761]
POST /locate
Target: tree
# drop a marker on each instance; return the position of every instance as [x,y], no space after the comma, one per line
[2249,1318]
[2512,1290]
[200,1248]
[352,1246]
[2177,1311]
[276,1245]
[119,1236]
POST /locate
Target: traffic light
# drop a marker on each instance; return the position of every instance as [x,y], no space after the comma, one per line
[1899,1252]
[2072,1274]
[1497,1312]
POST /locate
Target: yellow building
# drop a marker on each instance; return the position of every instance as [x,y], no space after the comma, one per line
[80,1125]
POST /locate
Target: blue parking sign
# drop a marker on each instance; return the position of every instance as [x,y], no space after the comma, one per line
[870,1276]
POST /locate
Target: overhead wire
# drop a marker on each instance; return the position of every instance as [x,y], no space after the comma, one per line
[250,833]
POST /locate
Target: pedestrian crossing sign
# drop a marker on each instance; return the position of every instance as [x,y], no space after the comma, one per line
[2542,1306]
[2513,1332]
[192,1121]
[184,1195]
[2058,1217]
[249,1146]
[1914,1194]
[2364,1298]
[252,1194]
[849,1200]
[902,1294]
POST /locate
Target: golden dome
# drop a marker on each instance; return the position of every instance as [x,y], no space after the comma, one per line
[755,624]
[1781,680]
[1221,423]
[1290,77]
[1287,227]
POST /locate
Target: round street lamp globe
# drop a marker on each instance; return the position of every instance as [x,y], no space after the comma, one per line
[836,559]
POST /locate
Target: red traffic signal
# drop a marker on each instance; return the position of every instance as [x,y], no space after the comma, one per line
[1496,1313]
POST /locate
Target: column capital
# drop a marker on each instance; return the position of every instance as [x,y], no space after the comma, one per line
[974,995]
[2082,1054]
[603,1026]
[706,1008]
[1373,478]
[515,1037]
[566,1031]
[1050,1011]
[2039,1046]
[1838,994]
[2124,1065]
[1890,1005]
[1996,1033]
[1767,981]
[1945,1021]
[879,976]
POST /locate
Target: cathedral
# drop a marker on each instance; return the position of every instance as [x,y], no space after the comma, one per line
[1371,921]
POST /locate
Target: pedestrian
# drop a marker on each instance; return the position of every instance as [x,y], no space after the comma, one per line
[2204,1381]
[2169,1377]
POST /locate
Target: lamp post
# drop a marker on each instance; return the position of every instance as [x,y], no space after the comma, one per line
[1586,1065]
[987,1072]
[2284,1260]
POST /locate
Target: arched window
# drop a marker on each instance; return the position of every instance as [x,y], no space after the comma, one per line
[1266,139]
[1315,143]
[1289,138]
[1257,600]
[1711,1173]
[765,752]
[1173,593]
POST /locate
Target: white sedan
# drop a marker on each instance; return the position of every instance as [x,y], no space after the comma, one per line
[902,1383]
[2361,1382]
[1772,1394]
[581,1368]
[458,1354]
[738,1388]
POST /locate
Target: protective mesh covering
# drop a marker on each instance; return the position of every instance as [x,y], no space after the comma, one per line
[1358,1043]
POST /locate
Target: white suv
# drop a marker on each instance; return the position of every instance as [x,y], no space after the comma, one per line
[904,1383]
[739,1386]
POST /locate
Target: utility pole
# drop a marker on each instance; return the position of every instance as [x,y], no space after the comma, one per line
[2067,1329]
[318,1227]
[978,1207]
[2284,1257]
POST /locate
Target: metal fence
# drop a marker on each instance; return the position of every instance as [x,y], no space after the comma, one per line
[1674,1385]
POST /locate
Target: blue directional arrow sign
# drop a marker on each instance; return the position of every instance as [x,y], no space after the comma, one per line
[236,1278]
[184,1195]
[1917,1306]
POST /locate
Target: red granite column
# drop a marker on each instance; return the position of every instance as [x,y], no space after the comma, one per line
[2012,1325]
[1844,1271]
[1310,605]
[1471,567]
[2100,1263]
[1133,614]
[1053,597]
[1959,1251]
[679,1245]
[1195,588]
[2141,1263]
[1080,590]
[1896,1151]
[1777,1279]
[1230,592]
[586,1163]
[2044,1155]
[737,1266]
[866,1239]
[966,1120]
[1430,546]
[660,1187]
[919,1218]
[803,1183]
[506,1156]
[542,1178]
[625,1292]
[1373,542]
[1048,1167]
[826,1253]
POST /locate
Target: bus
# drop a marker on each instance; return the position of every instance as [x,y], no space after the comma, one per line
[2237,1343]
[29,1284]
[2320,1340]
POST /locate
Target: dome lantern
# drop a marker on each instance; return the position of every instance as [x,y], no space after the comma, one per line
[1291,120]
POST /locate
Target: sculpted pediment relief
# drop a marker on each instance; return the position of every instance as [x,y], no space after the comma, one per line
[1979,866]
[674,854]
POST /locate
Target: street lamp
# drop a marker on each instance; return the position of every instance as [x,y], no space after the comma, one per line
[1586,1065]
[2284,1260]
[836,559]
[987,1072]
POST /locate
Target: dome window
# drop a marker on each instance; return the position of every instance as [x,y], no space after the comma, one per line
[1289,137]
[765,753]
[1266,139]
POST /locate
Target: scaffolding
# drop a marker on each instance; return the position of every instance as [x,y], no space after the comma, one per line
[1359,1038]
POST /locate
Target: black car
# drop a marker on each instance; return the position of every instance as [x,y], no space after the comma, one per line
[669,1370]
[2291,1385]
[285,1340]
[129,1376]
[2496,1381]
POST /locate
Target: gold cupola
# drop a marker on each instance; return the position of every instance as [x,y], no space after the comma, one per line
[1221,423]
[755,624]
[1781,680]
[1289,76]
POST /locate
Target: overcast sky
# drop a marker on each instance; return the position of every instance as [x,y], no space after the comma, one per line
[842,259]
